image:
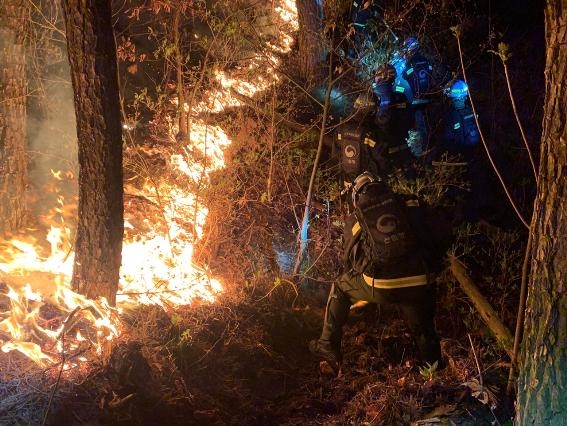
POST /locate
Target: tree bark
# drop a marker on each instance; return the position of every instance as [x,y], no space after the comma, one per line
[311,46]
[542,384]
[13,164]
[92,57]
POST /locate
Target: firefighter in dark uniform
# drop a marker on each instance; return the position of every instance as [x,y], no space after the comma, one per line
[461,137]
[405,283]
[358,151]
[461,132]
[418,73]
[356,141]
[393,120]
[365,14]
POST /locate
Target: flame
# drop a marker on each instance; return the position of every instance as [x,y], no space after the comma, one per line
[48,322]
[288,14]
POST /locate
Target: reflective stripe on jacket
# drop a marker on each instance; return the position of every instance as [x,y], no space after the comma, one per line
[390,283]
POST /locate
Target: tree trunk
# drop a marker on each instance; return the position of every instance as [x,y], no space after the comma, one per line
[92,57]
[311,46]
[13,164]
[542,386]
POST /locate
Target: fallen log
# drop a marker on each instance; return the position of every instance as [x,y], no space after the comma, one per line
[483,307]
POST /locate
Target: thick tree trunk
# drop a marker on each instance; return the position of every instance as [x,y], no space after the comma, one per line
[311,46]
[92,56]
[542,390]
[13,164]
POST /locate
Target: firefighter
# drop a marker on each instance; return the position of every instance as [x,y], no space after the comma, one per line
[461,131]
[461,139]
[393,119]
[401,280]
[358,148]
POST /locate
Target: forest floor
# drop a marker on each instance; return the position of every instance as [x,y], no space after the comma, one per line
[249,364]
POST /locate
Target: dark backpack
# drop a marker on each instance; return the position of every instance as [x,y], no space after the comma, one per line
[355,151]
[385,234]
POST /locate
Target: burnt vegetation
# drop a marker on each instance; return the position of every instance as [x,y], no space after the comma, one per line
[243,359]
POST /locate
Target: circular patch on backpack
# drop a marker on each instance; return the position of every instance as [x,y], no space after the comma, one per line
[387,223]
[350,151]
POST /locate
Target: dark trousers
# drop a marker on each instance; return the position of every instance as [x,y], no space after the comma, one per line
[417,304]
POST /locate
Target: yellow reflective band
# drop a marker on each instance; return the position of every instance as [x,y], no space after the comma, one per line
[355,228]
[395,282]
[370,142]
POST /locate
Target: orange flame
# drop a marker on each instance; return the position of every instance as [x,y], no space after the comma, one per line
[47,321]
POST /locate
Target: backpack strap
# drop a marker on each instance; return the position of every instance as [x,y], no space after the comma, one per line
[349,248]
[352,259]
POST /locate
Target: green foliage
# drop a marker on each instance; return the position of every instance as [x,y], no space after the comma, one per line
[494,258]
[328,186]
[297,162]
[429,371]
[442,184]
[175,318]
[503,52]
[496,252]
[154,102]
[166,49]
[185,337]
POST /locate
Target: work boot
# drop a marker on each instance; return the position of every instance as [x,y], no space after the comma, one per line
[330,358]
[323,350]
[328,347]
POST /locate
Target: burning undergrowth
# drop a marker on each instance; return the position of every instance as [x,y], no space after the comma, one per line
[67,335]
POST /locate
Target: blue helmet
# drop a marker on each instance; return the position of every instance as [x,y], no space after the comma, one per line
[411,45]
[457,90]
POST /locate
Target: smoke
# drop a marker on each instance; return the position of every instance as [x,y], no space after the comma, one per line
[52,149]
